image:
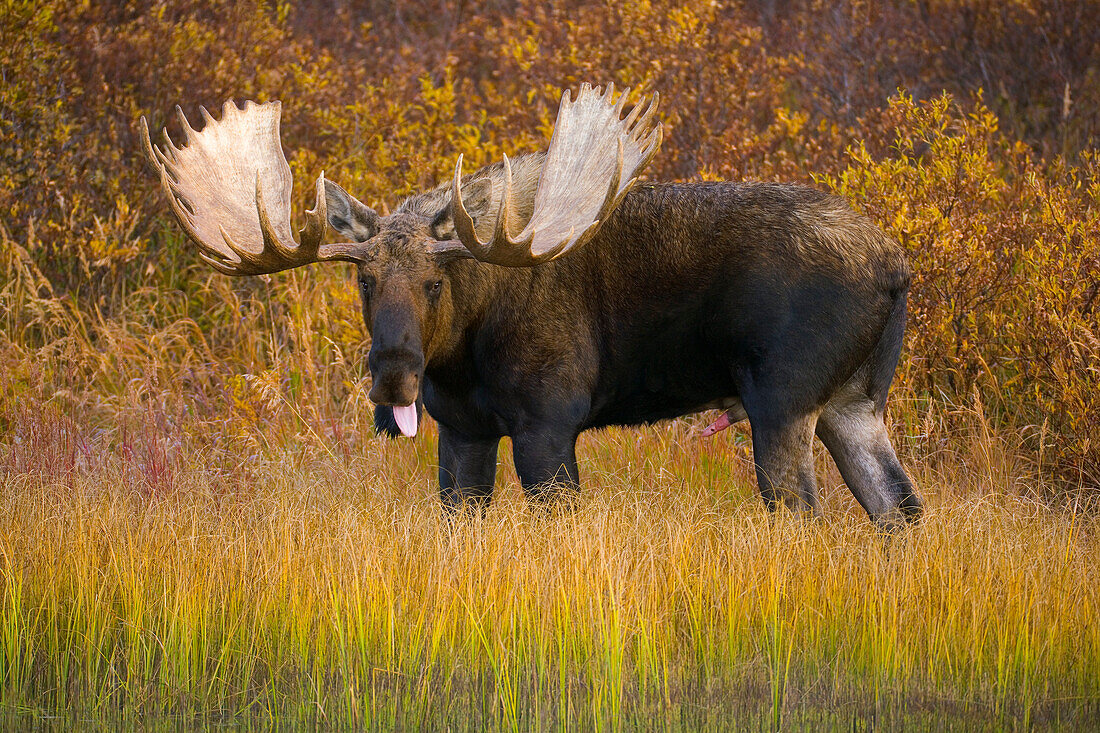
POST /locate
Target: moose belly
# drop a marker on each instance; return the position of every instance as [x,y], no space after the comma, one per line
[663,381]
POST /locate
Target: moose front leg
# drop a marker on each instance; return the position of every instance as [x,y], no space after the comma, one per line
[546,461]
[467,471]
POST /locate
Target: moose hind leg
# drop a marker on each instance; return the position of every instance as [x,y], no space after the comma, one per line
[783,453]
[855,433]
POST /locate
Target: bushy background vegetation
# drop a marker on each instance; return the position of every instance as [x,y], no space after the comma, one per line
[198,525]
[967,129]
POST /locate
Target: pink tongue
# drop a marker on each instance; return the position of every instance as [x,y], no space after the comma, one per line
[406,419]
[718,425]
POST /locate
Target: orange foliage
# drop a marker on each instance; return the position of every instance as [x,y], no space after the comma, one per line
[996,197]
[1006,257]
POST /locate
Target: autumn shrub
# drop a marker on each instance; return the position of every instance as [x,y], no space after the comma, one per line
[105,305]
[1005,252]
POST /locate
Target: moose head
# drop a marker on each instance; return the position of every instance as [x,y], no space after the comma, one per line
[229,185]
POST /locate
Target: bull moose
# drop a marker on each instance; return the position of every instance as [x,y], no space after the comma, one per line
[552,293]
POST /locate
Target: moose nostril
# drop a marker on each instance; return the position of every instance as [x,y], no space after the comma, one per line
[394,386]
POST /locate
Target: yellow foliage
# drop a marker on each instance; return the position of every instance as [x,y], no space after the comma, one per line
[1005,253]
[1003,241]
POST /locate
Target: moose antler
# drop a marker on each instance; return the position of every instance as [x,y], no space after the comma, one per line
[592,163]
[221,183]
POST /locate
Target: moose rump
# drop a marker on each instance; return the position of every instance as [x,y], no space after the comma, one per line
[549,294]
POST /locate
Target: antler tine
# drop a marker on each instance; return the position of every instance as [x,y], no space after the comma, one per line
[501,231]
[229,187]
[313,233]
[463,222]
[622,100]
[592,163]
[165,172]
[506,212]
[188,131]
[272,242]
[636,119]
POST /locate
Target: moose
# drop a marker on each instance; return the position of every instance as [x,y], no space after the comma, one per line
[553,293]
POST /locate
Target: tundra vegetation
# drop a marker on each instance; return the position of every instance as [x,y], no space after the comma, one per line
[199,524]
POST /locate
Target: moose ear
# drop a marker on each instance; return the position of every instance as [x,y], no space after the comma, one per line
[348,215]
[477,196]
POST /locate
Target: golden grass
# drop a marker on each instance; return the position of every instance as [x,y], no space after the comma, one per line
[325,589]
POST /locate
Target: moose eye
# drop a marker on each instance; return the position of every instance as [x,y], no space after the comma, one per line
[434,288]
[366,286]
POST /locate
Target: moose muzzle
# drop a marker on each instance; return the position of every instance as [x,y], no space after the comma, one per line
[396,362]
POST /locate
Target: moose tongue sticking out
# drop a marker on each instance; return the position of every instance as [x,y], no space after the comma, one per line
[405,417]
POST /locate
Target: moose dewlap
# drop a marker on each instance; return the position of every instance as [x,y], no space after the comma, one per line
[548,294]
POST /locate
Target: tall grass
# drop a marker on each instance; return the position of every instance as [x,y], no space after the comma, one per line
[326,589]
[198,526]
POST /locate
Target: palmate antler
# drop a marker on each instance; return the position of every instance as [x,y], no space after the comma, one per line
[229,187]
[592,163]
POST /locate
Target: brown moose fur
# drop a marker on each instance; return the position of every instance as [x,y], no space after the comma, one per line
[775,302]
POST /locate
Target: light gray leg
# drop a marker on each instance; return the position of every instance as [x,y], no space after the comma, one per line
[856,436]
